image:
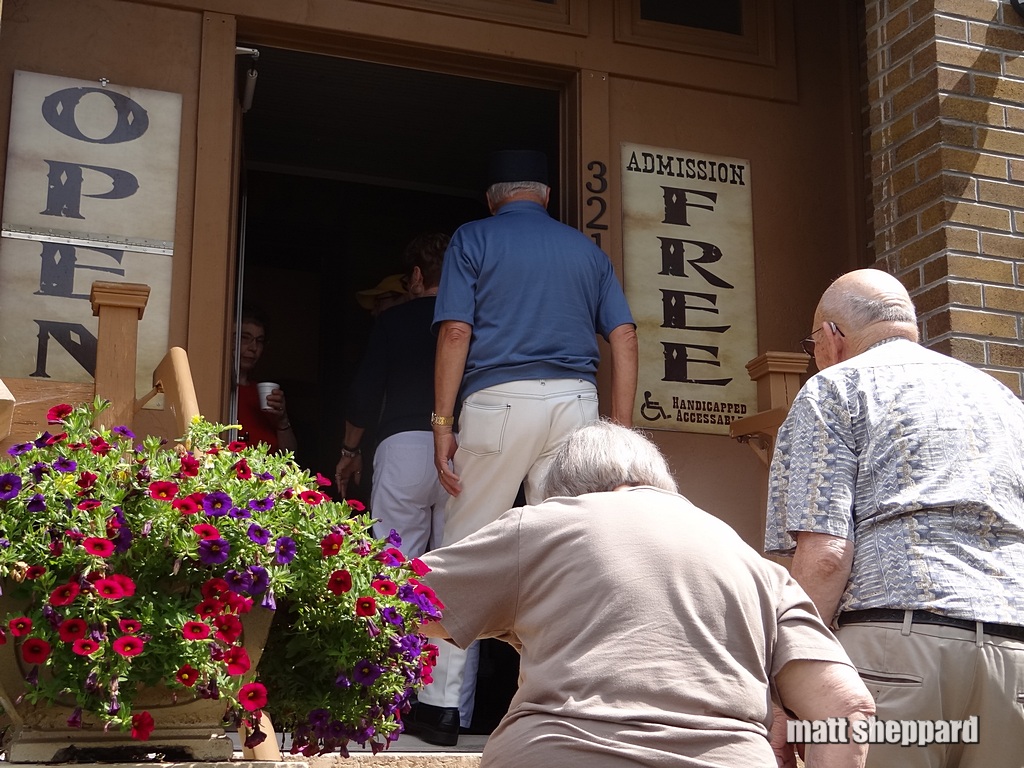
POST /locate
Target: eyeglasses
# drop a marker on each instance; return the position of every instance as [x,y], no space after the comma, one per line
[807,345]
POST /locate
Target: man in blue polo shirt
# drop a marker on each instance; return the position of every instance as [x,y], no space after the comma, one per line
[521,302]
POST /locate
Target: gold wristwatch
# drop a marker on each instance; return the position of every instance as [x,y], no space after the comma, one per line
[441,421]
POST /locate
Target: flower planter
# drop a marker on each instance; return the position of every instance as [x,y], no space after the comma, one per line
[188,728]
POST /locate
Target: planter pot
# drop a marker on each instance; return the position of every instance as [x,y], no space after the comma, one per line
[187,729]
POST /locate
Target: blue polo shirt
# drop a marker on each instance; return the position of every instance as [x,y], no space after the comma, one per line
[536,292]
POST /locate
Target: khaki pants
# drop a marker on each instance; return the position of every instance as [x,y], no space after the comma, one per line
[508,434]
[934,672]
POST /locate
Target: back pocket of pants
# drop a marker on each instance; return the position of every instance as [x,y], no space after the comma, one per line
[483,427]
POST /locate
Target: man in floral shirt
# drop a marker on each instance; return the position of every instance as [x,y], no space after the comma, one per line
[897,485]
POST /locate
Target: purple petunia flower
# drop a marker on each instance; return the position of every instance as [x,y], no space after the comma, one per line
[260,579]
[268,600]
[392,616]
[239,514]
[214,551]
[216,504]
[362,547]
[10,485]
[261,505]
[264,476]
[37,470]
[37,503]
[64,464]
[394,539]
[42,440]
[123,432]
[32,678]
[342,681]
[20,448]
[75,718]
[114,707]
[238,581]
[285,550]
[5,543]
[319,718]
[92,683]
[366,672]
[259,534]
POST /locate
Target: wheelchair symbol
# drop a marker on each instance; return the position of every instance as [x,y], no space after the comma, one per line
[651,409]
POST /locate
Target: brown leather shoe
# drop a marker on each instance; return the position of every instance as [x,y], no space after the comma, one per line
[434,725]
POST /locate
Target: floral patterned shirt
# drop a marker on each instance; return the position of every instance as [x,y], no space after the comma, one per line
[919,460]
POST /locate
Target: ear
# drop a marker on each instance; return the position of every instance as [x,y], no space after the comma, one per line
[837,343]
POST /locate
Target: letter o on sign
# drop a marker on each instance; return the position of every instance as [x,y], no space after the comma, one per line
[59,112]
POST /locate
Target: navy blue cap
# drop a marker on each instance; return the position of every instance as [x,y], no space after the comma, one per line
[517,165]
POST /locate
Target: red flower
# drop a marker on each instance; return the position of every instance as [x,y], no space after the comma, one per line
[209,607]
[355,504]
[206,531]
[242,471]
[130,626]
[142,726]
[236,445]
[235,602]
[65,594]
[20,626]
[54,439]
[237,660]
[99,446]
[109,589]
[128,645]
[418,567]
[366,606]
[86,480]
[195,630]
[35,571]
[423,589]
[35,650]
[126,584]
[99,547]
[213,587]
[85,646]
[331,544]
[252,697]
[312,497]
[72,629]
[229,627]
[340,582]
[385,586]
[163,490]
[189,465]
[187,675]
[322,481]
[57,414]
[88,504]
[186,506]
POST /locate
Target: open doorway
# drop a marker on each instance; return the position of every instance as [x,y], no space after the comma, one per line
[344,162]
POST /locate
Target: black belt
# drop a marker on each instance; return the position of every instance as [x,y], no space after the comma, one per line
[1009,631]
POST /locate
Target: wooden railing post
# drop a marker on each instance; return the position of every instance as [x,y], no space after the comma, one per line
[119,307]
[778,376]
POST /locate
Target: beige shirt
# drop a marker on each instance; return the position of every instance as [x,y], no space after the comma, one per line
[649,631]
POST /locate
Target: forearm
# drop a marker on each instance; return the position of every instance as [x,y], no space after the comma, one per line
[625,359]
[353,436]
[449,364]
[822,565]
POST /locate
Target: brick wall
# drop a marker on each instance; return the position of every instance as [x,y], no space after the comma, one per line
[945,100]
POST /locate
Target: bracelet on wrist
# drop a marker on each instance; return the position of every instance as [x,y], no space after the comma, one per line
[285,428]
[350,452]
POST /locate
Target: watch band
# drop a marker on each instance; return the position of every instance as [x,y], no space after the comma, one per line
[441,421]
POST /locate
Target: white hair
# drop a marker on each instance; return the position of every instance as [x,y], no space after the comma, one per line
[602,456]
[503,190]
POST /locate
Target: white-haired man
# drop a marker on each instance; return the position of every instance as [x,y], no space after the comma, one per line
[650,633]
[521,303]
[897,485]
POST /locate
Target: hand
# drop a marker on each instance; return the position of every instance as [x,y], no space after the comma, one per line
[348,467]
[785,755]
[445,446]
[276,407]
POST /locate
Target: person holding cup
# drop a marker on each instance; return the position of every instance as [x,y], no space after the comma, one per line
[261,407]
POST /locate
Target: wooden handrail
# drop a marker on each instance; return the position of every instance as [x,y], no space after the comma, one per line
[779,377]
[6,411]
[173,377]
[119,307]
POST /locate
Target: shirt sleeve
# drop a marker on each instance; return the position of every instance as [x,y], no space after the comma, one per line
[456,293]
[477,579]
[813,473]
[802,635]
[613,309]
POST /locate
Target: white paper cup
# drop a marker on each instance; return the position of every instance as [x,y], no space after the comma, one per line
[264,388]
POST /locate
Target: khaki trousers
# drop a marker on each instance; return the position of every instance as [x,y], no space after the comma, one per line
[934,672]
[508,435]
